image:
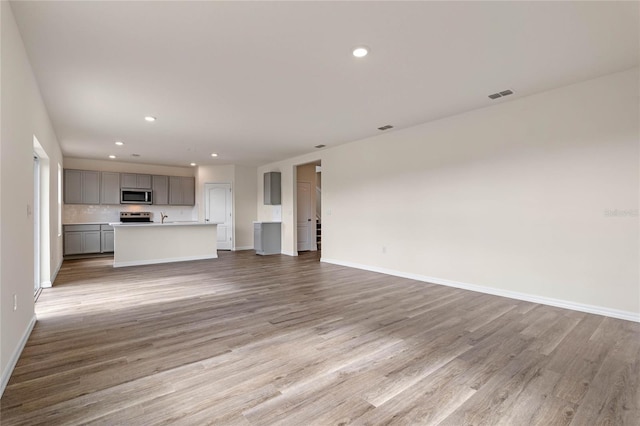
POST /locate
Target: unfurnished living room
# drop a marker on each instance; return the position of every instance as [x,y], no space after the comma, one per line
[319,213]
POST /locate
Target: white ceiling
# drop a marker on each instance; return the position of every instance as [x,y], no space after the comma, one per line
[262,81]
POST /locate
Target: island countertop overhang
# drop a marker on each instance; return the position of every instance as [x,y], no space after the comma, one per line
[166,224]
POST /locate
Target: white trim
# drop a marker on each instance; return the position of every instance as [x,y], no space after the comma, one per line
[55,273]
[15,356]
[243,248]
[167,260]
[566,304]
[46,284]
[289,253]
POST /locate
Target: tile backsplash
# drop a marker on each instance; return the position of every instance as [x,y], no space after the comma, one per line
[82,213]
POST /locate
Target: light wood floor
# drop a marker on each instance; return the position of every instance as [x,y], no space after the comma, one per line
[251,340]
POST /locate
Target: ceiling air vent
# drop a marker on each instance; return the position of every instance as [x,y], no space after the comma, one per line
[501,94]
[387,127]
[320,146]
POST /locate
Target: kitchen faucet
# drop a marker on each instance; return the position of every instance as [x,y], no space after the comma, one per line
[163,217]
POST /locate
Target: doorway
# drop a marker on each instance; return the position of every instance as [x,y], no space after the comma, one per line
[37,286]
[219,209]
[304,218]
[308,211]
[41,219]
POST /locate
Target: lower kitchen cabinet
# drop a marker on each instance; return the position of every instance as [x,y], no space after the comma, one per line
[266,237]
[82,239]
[106,238]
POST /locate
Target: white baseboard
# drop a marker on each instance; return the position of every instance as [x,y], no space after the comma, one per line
[559,303]
[167,260]
[290,253]
[46,284]
[6,374]
[243,248]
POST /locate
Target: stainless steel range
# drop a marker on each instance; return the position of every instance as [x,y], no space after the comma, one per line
[135,217]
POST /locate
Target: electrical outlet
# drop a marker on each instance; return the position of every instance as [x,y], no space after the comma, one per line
[15,302]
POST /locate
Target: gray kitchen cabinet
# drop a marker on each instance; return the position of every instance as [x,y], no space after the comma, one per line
[81,187]
[106,239]
[160,186]
[91,242]
[189,191]
[134,180]
[182,191]
[110,188]
[82,239]
[73,243]
[272,191]
[266,237]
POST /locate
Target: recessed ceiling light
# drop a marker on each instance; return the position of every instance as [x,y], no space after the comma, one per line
[360,51]
[150,118]
[119,143]
[213,154]
[112,156]
[192,164]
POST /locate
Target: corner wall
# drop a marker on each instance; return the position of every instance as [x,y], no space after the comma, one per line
[23,116]
[534,197]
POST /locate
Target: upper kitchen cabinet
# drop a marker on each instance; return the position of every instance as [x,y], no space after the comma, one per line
[160,186]
[134,180]
[182,191]
[110,188]
[81,187]
[272,193]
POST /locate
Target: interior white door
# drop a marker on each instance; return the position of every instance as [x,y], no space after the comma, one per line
[305,217]
[218,209]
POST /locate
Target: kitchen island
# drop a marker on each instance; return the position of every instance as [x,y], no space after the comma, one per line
[150,243]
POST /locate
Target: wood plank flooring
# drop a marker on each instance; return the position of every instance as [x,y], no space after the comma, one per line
[252,340]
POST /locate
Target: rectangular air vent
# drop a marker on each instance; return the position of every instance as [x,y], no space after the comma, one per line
[501,94]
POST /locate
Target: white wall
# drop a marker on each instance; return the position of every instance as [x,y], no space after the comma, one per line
[23,115]
[242,180]
[535,196]
[82,213]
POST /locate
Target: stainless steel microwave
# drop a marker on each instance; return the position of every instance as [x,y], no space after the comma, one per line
[135,196]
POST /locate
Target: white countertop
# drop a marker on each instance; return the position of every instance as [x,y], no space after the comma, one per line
[85,223]
[166,224]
